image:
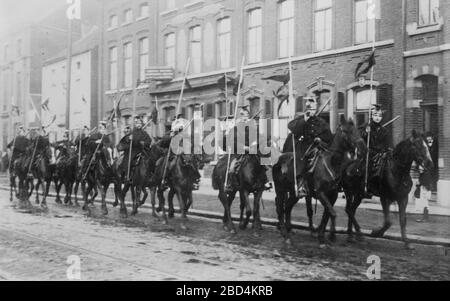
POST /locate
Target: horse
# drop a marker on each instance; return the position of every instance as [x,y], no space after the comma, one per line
[395,182]
[97,174]
[251,179]
[42,171]
[66,173]
[323,181]
[181,172]
[141,174]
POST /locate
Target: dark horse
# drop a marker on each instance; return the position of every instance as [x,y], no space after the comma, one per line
[323,182]
[142,177]
[66,173]
[42,171]
[181,175]
[251,179]
[394,184]
[98,174]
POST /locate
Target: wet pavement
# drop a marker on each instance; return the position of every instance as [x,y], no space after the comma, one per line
[36,245]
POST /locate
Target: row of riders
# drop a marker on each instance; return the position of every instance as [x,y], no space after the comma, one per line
[323,165]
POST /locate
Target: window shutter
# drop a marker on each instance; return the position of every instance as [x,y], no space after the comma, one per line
[299,104]
[384,98]
[268,108]
[341,101]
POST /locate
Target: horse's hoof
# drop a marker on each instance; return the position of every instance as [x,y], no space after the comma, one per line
[134,213]
[37,202]
[58,201]
[105,211]
[85,208]
[171,214]
[159,209]
[376,234]
[115,204]
[242,226]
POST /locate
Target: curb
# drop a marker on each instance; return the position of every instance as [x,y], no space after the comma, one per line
[438,242]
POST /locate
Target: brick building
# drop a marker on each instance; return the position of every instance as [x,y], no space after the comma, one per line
[22,54]
[326,40]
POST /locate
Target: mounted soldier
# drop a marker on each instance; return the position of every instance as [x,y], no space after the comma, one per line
[81,142]
[63,146]
[41,143]
[379,147]
[311,132]
[101,141]
[244,136]
[18,147]
[178,126]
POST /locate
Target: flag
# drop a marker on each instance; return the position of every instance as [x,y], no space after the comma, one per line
[365,66]
[235,84]
[231,82]
[221,82]
[83,99]
[280,78]
[373,10]
[154,115]
[187,85]
[44,105]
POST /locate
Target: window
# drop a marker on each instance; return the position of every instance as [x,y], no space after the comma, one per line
[224,42]
[364,28]
[113,68]
[19,87]
[362,105]
[255,36]
[322,24]
[170,50]
[127,65]
[143,57]
[144,10]
[19,47]
[128,16]
[428,12]
[113,21]
[286,28]
[196,49]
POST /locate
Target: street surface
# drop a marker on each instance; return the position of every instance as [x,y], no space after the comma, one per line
[36,245]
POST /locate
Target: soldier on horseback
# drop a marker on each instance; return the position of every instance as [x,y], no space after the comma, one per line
[379,147]
[179,125]
[18,147]
[140,140]
[311,132]
[243,141]
[101,141]
[63,146]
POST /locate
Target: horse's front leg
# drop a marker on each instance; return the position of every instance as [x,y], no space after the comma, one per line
[226,201]
[170,197]
[386,204]
[47,189]
[257,225]
[69,189]
[245,203]
[162,205]
[86,188]
[310,212]
[144,198]
[354,205]
[123,194]
[289,206]
[58,191]
[402,204]
[134,194]
[117,192]
[329,200]
[153,200]
[182,202]
[103,190]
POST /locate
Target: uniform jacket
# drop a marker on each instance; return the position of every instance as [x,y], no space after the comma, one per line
[379,137]
[20,144]
[306,132]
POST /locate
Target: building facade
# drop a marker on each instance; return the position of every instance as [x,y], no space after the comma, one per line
[84,97]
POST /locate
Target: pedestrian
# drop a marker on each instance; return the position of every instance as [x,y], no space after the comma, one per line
[423,194]
[433,146]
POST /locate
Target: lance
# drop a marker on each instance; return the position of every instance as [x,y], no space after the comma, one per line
[235,116]
[177,113]
[392,121]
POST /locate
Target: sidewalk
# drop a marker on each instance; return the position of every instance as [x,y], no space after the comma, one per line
[374,204]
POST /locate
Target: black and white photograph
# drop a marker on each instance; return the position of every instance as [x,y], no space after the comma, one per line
[212,143]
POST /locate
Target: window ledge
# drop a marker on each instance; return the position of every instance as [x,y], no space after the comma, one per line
[142,18]
[168,12]
[193,4]
[112,28]
[126,23]
[413,28]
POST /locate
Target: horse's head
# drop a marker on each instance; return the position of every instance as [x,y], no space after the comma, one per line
[348,140]
[420,152]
